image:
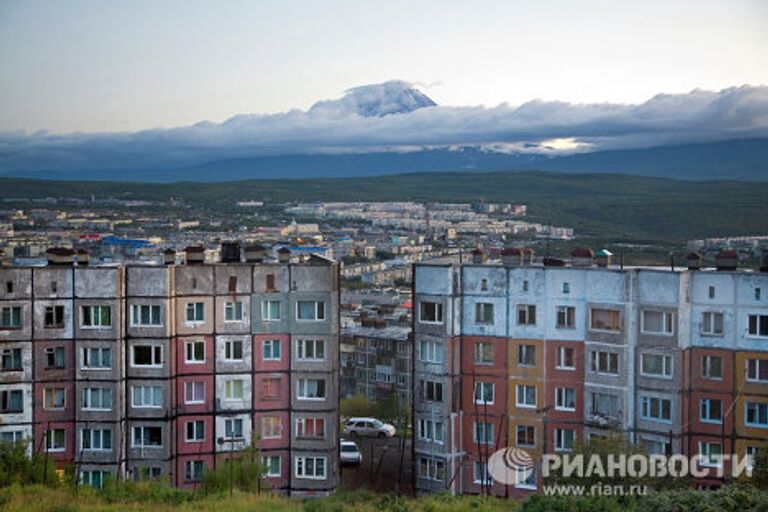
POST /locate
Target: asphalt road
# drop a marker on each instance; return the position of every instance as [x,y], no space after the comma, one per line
[383,469]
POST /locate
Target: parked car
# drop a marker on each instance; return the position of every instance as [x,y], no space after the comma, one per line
[368,427]
[349,453]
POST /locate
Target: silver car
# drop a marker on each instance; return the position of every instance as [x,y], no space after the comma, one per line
[368,427]
[349,453]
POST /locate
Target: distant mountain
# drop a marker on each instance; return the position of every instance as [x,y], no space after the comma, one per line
[393,97]
[744,160]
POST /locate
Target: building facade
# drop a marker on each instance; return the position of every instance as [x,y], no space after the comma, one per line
[166,371]
[543,357]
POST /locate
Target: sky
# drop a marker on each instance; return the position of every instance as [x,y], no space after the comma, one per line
[96,66]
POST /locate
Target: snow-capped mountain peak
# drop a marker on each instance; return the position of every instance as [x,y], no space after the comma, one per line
[377,100]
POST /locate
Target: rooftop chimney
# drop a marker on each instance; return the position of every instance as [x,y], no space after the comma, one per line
[512,256]
[60,256]
[479,257]
[230,252]
[284,255]
[582,257]
[169,257]
[255,253]
[727,259]
[603,258]
[83,258]
[195,255]
[694,260]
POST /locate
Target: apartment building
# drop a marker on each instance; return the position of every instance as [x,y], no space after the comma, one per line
[536,356]
[166,371]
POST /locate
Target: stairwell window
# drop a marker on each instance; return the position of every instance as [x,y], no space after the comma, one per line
[566,359]
[566,317]
[430,312]
[711,410]
[758,326]
[710,454]
[55,440]
[193,470]
[483,353]
[431,391]
[526,314]
[271,464]
[146,315]
[270,310]
[657,322]
[310,310]
[96,317]
[526,356]
[195,312]
[525,436]
[712,323]
[525,396]
[564,439]
[430,351]
[484,313]
[565,399]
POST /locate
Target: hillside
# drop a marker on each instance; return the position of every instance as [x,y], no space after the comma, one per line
[607,205]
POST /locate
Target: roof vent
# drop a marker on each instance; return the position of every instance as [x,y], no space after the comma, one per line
[169,257]
[514,256]
[195,255]
[603,258]
[553,262]
[479,257]
[83,258]
[60,256]
[230,252]
[284,255]
[694,260]
[582,257]
[255,253]
[727,259]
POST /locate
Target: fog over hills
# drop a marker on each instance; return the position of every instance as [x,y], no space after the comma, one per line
[393,128]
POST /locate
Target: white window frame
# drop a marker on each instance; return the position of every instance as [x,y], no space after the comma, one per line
[267,463]
[759,405]
[480,391]
[570,319]
[301,389]
[96,433]
[431,351]
[86,356]
[51,445]
[430,428]
[596,366]
[705,454]
[141,390]
[439,313]
[95,324]
[102,391]
[229,349]
[198,315]
[300,464]
[667,322]
[142,429]
[708,323]
[266,310]
[758,324]
[561,438]
[523,404]
[271,343]
[318,309]
[193,343]
[196,435]
[561,395]
[232,385]
[705,411]
[191,385]
[302,352]
[560,364]
[233,311]
[646,406]
[706,367]
[157,352]
[667,366]
[136,315]
[485,313]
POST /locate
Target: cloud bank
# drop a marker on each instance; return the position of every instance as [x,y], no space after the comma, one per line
[394,116]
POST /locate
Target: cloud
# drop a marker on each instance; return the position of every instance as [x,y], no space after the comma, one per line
[396,116]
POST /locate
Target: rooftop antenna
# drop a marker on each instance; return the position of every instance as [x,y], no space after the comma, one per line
[671,261]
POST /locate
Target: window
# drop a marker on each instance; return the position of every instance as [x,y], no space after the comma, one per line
[605,405]
[271,465]
[484,393]
[751,452]
[310,467]
[147,396]
[55,440]
[233,389]
[604,319]
[757,370]
[147,355]
[525,436]
[430,351]
[655,447]
[270,283]
[310,427]
[233,350]
[96,317]
[526,355]
[9,286]
[53,398]
[271,349]
[758,325]
[565,399]
[483,433]
[54,358]
[525,396]
[147,473]
[656,365]
[564,438]
[96,439]
[147,437]
[605,362]
[484,284]
[483,353]
[712,323]
[483,313]
[711,292]
[94,478]
[310,350]
[566,287]
[195,431]
[54,317]
[656,409]
[757,293]
[195,312]
[431,391]
[711,410]
[526,314]
[96,358]
[193,470]
[11,400]
[195,352]
[712,367]
[311,389]
[757,414]
[431,430]
[525,286]
[431,469]
[145,315]
[194,392]
[10,317]
[12,436]
[566,317]
[480,474]
[11,359]
[270,310]
[232,284]
[565,358]
[270,388]
[710,454]
[97,398]
[657,322]
[430,312]
[310,310]
[233,311]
